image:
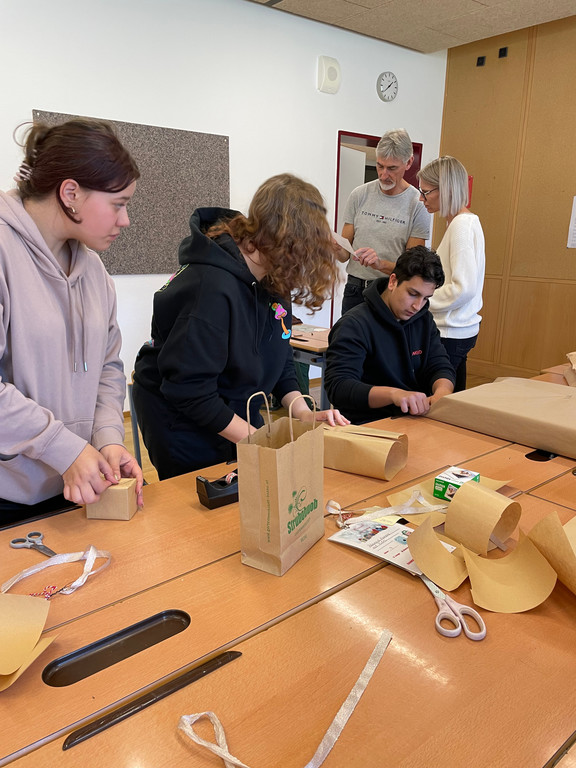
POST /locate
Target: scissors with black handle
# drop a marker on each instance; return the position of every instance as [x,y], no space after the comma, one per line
[33,540]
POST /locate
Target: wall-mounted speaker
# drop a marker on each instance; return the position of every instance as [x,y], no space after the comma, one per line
[329,74]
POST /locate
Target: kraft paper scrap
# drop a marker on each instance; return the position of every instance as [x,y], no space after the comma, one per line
[447,569]
[365,451]
[570,372]
[22,619]
[558,545]
[426,488]
[518,582]
[475,515]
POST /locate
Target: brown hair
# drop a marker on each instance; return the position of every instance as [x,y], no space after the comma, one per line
[287,225]
[85,150]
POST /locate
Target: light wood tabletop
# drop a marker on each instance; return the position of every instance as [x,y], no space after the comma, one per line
[226,602]
[561,490]
[433,701]
[177,555]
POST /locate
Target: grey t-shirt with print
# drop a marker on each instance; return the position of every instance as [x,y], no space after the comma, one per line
[384,222]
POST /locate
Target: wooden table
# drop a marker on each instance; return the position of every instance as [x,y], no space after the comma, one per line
[179,535]
[433,701]
[322,623]
[309,344]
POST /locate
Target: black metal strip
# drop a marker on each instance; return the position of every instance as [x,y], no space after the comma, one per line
[122,713]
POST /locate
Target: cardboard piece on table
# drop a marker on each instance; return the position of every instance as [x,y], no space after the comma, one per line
[447,569]
[518,582]
[426,489]
[118,502]
[534,413]
[558,545]
[365,451]
[570,372]
[477,513]
[22,619]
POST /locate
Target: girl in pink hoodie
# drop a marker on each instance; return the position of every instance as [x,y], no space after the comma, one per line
[61,378]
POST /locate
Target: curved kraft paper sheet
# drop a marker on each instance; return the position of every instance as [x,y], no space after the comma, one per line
[22,620]
[553,542]
[426,488]
[475,513]
[447,569]
[512,584]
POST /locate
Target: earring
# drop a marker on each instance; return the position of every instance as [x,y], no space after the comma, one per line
[72,210]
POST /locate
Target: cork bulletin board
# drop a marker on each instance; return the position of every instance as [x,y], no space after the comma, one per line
[180,171]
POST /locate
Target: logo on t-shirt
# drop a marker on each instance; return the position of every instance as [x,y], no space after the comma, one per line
[382,219]
[417,352]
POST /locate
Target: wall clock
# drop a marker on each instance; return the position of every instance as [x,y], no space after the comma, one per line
[387,86]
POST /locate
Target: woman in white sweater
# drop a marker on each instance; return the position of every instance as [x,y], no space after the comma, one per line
[455,306]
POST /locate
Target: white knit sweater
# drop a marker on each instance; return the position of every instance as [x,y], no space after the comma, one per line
[456,304]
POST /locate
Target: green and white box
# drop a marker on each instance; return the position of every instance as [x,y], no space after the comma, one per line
[447,483]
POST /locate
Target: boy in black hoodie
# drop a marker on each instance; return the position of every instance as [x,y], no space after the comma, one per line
[385,355]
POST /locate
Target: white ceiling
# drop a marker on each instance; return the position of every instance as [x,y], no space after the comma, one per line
[428,25]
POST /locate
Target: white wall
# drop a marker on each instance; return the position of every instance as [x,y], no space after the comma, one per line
[220,66]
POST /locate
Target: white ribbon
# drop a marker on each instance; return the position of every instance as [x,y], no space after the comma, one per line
[90,555]
[331,736]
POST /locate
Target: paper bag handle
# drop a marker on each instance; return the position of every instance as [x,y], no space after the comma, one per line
[267,410]
[308,397]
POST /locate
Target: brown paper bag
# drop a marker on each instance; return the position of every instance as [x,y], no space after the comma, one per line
[365,451]
[280,492]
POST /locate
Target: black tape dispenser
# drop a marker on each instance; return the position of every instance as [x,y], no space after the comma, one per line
[218,492]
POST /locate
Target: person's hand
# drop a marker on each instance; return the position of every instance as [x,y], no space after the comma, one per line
[435,397]
[414,403]
[123,464]
[332,416]
[87,477]
[368,258]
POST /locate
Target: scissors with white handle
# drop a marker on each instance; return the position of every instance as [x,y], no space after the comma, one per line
[451,611]
[33,540]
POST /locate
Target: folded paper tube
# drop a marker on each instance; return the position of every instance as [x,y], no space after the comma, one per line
[534,413]
[118,502]
[477,513]
[365,451]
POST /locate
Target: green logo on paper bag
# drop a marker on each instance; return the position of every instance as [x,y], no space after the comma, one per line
[299,509]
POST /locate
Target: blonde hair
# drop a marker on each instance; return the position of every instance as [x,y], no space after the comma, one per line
[287,225]
[450,177]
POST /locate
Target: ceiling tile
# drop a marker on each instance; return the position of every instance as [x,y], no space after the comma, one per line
[429,25]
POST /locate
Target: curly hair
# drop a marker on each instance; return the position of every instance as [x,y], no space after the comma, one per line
[287,225]
[82,149]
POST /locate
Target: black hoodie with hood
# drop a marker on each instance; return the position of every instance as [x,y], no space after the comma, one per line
[369,347]
[218,336]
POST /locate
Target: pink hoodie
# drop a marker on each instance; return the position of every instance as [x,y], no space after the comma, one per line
[61,378]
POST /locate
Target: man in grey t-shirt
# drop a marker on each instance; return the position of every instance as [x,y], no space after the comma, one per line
[382,218]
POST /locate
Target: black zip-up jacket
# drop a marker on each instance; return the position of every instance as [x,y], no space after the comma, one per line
[216,337]
[370,347]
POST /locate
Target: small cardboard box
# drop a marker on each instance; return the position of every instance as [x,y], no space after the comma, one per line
[118,502]
[447,483]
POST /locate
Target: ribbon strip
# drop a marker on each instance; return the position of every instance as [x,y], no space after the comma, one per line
[331,736]
[90,555]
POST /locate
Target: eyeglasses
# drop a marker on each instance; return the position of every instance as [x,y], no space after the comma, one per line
[425,194]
